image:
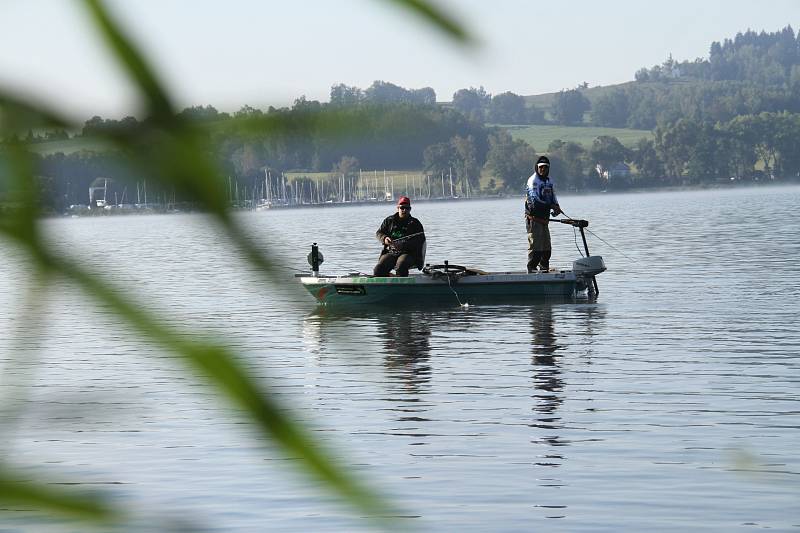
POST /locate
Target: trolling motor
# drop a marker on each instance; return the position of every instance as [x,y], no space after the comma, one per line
[315,259]
[589,266]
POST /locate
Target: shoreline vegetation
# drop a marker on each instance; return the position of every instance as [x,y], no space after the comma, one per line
[733,118]
[185,208]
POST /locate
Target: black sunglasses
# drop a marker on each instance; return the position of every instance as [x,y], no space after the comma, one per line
[404,207]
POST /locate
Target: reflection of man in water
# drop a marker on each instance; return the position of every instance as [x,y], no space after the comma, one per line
[547,373]
[407,340]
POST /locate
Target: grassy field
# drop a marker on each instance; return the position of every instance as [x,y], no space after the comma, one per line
[541,136]
[67,146]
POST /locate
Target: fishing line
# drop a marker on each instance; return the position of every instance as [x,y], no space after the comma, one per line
[577,246]
[612,246]
[454,291]
[598,237]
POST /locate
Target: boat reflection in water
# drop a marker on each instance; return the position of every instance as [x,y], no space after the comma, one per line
[406,337]
[548,356]
[467,389]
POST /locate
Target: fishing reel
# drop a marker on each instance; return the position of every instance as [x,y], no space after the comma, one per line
[446,270]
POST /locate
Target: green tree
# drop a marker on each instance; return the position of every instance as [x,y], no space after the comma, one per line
[786,135]
[757,132]
[472,102]
[343,95]
[645,157]
[423,96]
[383,92]
[673,144]
[304,105]
[202,114]
[510,160]
[438,158]
[568,164]
[466,166]
[248,111]
[508,108]
[569,107]
[611,110]
[607,150]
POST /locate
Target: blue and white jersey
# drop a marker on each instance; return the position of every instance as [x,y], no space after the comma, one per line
[540,190]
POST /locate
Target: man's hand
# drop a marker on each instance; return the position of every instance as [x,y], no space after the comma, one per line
[556,210]
[387,241]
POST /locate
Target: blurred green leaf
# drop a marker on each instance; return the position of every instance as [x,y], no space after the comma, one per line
[174,152]
[44,498]
[437,17]
[136,66]
[220,367]
[18,115]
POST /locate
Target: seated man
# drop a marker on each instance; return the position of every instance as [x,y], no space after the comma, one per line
[403,239]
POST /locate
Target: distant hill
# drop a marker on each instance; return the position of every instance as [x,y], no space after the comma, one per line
[545,101]
[752,73]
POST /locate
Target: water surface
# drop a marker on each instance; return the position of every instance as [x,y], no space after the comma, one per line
[670,403]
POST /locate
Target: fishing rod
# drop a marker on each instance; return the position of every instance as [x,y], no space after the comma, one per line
[391,245]
[400,239]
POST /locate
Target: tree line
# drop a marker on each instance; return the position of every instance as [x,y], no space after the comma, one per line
[716,119]
[748,75]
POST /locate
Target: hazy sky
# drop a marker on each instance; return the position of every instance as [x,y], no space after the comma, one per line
[262,52]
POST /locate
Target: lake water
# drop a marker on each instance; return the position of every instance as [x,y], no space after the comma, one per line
[671,403]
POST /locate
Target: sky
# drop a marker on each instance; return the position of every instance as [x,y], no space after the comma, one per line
[269,52]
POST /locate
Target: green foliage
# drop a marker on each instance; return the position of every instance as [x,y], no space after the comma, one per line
[343,95]
[438,158]
[569,163]
[510,160]
[611,110]
[569,107]
[380,93]
[472,102]
[309,136]
[175,150]
[647,161]
[607,150]
[747,75]
[510,108]
[758,57]
[467,168]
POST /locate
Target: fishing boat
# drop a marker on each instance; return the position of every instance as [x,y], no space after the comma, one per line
[447,283]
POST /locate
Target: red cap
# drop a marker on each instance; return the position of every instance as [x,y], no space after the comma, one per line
[404,200]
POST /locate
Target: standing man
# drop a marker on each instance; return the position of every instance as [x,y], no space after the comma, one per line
[403,240]
[540,200]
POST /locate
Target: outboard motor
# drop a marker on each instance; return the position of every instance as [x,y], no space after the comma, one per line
[587,267]
[315,259]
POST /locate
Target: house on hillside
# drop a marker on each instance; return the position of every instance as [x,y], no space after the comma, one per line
[617,171]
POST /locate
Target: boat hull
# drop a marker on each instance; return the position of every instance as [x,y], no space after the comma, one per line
[503,287]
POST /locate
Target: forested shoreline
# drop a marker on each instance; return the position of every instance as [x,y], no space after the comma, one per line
[731,117]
